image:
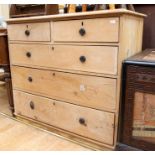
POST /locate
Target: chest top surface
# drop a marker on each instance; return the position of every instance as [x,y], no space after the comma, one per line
[74,16]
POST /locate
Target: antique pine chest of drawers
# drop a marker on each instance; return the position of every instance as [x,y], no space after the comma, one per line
[66,71]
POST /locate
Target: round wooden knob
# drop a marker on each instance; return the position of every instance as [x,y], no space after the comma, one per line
[82,59]
[28,54]
[27,32]
[82,121]
[82,31]
[32,105]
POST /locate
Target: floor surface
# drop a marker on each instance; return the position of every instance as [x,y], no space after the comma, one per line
[4,102]
[18,136]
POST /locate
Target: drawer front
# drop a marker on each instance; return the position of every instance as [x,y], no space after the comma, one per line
[90,91]
[97,59]
[87,122]
[30,32]
[88,30]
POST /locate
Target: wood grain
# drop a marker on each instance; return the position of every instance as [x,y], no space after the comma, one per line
[99,59]
[52,112]
[38,32]
[31,139]
[106,30]
[89,91]
[80,15]
[131,31]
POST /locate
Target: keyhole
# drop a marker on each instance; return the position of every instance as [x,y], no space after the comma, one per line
[52,48]
[27,26]
[82,23]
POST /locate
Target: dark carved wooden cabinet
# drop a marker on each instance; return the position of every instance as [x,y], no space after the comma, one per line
[138,104]
[6,101]
[4,55]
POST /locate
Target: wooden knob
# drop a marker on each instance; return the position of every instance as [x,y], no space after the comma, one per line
[82,59]
[27,32]
[28,54]
[82,121]
[82,31]
[30,79]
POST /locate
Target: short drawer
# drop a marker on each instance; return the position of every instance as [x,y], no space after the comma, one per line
[89,91]
[30,32]
[87,122]
[87,30]
[96,59]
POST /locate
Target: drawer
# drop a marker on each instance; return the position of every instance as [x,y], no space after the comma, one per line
[89,91]
[87,30]
[30,32]
[87,122]
[97,59]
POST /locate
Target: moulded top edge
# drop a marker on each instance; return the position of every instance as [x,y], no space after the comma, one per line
[79,15]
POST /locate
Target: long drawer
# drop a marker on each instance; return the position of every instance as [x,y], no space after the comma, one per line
[97,59]
[30,32]
[89,91]
[87,30]
[87,122]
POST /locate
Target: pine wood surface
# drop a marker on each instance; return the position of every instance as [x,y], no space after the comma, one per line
[38,32]
[16,136]
[67,116]
[88,91]
[80,15]
[99,59]
[106,30]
